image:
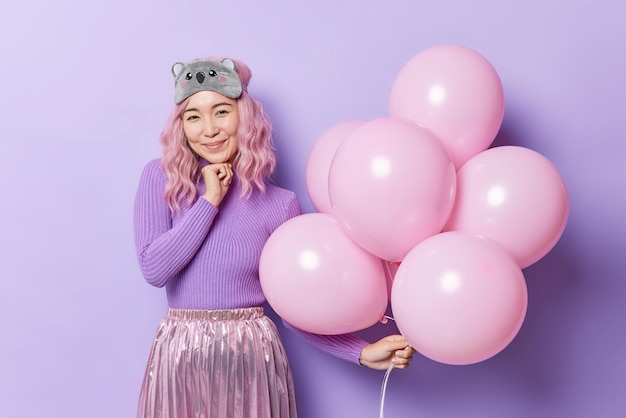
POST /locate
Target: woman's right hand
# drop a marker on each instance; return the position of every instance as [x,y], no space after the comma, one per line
[217,178]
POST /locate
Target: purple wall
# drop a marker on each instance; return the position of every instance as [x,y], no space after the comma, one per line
[86,86]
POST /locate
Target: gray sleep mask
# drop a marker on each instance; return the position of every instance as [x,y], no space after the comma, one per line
[199,75]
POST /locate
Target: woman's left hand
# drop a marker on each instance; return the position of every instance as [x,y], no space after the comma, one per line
[393,349]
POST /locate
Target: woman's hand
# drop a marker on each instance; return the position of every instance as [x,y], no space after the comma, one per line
[217,178]
[393,349]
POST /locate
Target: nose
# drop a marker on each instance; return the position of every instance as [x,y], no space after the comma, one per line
[210,130]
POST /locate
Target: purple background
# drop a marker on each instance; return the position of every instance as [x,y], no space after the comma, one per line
[86,87]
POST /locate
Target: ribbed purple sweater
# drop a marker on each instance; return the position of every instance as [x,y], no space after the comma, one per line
[208,257]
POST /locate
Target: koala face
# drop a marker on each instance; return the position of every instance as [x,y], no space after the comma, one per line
[195,76]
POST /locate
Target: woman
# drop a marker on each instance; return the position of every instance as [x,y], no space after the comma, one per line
[202,215]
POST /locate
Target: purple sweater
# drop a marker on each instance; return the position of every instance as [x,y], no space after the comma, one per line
[208,257]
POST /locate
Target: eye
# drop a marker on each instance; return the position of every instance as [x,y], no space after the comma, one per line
[212,73]
[189,76]
[223,110]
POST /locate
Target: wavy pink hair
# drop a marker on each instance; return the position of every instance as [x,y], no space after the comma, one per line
[255,160]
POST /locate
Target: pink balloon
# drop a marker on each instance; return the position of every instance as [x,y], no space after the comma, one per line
[459,298]
[513,196]
[456,93]
[391,184]
[319,280]
[318,163]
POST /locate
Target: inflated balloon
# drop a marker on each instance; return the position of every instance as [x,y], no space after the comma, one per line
[319,280]
[456,93]
[391,184]
[514,196]
[459,298]
[318,162]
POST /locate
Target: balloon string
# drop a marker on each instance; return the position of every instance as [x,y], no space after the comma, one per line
[383,390]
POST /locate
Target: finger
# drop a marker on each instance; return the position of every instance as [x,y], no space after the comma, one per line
[228,177]
[394,338]
[223,170]
[401,363]
[214,169]
[406,352]
[397,345]
[402,354]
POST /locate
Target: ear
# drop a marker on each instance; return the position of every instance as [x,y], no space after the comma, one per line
[177,68]
[229,63]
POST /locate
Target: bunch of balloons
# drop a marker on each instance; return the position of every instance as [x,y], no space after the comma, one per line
[415,209]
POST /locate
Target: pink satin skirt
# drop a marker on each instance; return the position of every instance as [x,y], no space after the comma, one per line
[217,364]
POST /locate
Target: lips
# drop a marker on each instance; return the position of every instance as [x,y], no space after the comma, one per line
[214,145]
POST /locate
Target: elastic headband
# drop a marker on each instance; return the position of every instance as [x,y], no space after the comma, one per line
[199,75]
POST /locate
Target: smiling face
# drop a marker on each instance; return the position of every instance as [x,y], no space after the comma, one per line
[210,122]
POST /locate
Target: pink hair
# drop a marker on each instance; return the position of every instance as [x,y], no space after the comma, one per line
[255,160]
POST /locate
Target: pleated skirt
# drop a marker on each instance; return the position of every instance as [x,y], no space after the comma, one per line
[217,364]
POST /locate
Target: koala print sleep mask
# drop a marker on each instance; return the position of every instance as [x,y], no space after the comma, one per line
[199,75]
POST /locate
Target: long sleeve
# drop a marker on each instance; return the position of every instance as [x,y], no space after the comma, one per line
[164,248]
[345,346]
